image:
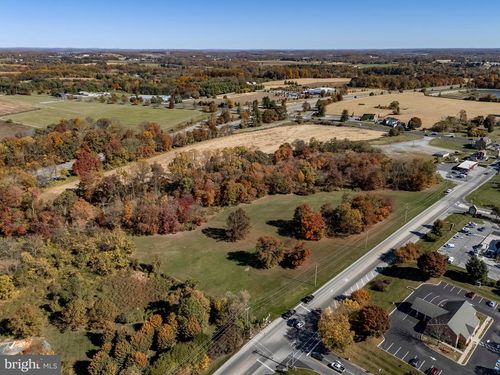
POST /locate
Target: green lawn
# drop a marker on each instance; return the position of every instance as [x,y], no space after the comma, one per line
[487,195]
[457,144]
[301,371]
[51,110]
[404,137]
[220,266]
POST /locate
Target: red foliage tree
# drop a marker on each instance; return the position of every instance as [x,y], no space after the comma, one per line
[86,163]
[308,225]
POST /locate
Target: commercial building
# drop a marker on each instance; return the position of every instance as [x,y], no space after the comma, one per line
[466,166]
[454,323]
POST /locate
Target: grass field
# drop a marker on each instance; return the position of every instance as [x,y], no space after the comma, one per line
[487,195]
[457,144]
[220,266]
[429,109]
[51,110]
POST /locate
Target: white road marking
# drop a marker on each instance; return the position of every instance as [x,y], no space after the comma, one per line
[263,364]
[357,287]
[419,367]
[389,347]
[314,347]
[427,295]
[451,290]
[396,352]
[433,298]
[460,290]
[481,300]
[445,285]
[305,308]
[403,357]
[442,302]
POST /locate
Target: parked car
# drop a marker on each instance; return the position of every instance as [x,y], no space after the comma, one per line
[433,371]
[470,294]
[414,362]
[481,229]
[337,366]
[448,191]
[449,245]
[308,298]
[451,260]
[491,304]
[299,324]
[317,356]
[288,314]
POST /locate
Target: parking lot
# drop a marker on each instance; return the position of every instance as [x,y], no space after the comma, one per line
[403,340]
[474,238]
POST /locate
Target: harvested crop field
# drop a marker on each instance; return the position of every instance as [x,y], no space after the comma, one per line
[429,109]
[266,140]
[309,82]
[10,129]
[9,107]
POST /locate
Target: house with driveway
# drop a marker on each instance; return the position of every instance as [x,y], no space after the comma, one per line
[454,323]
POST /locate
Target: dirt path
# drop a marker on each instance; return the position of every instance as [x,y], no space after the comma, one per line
[266,140]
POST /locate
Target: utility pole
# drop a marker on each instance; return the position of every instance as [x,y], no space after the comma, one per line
[316,275]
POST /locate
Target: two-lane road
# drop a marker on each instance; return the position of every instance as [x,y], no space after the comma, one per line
[281,345]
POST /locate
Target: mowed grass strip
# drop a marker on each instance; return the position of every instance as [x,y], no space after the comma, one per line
[51,110]
[220,266]
[487,195]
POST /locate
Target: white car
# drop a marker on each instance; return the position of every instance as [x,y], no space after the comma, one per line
[449,245]
[451,260]
[448,191]
[337,366]
[299,324]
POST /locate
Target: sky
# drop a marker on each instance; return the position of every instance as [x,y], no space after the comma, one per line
[255,24]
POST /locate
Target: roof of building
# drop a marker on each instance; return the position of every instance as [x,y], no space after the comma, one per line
[468,164]
[428,309]
[460,317]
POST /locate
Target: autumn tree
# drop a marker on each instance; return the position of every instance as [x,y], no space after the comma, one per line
[269,251]
[7,287]
[489,123]
[415,123]
[26,321]
[407,253]
[86,163]
[477,270]
[296,255]
[438,227]
[237,225]
[193,313]
[308,225]
[344,116]
[374,320]
[433,264]
[75,314]
[394,106]
[361,296]
[335,330]
[101,312]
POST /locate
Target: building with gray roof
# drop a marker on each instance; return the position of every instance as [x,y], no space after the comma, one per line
[455,322]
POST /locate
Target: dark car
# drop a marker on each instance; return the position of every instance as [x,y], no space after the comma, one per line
[317,356]
[481,229]
[288,314]
[414,362]
[470,294]
[433,371]
[308,298]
